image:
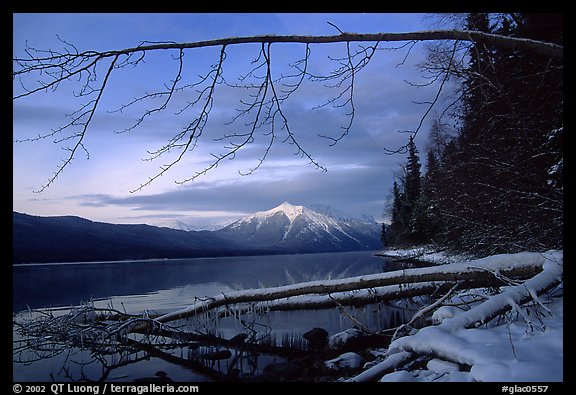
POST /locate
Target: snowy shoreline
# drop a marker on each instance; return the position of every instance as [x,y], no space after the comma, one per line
[523,345]
[423,254]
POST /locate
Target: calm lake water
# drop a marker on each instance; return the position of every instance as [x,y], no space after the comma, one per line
[166,285]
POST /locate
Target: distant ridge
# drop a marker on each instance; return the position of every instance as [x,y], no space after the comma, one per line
[75,239]
[284,229]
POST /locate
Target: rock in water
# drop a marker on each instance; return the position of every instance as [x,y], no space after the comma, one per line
[346,339]
[317,338]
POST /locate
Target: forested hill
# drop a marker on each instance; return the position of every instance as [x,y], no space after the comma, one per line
[74,239]
[493,179]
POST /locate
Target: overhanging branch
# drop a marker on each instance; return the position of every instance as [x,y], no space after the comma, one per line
[543,48]
[266,98]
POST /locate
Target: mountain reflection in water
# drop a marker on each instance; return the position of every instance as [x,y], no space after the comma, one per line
[163,286]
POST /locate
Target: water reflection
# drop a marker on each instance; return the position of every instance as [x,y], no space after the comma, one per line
[162,286]
[61,285]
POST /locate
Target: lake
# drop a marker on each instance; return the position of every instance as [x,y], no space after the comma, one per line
[161,286]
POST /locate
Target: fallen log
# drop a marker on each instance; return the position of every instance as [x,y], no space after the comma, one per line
[364,297]
[440,340]
[476,273]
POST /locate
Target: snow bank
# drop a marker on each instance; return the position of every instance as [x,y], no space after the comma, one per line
[512,296]
[440,366]
[426,375]
[427,254]
[529,349]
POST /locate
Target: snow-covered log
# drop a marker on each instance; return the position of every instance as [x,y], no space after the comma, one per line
[481,271]
[513,296]
[447,341]
[362,297]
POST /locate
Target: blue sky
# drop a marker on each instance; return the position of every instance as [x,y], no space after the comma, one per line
[359,176]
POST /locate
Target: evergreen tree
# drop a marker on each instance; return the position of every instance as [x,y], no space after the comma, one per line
[412,183]
[383,235]
[414,201]
[430,197]
[408,208]
[496,186]
[396,229]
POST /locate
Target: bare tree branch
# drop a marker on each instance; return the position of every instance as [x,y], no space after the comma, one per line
[404,149]
[267,96]
[193,131]
[80,136]
[543,48]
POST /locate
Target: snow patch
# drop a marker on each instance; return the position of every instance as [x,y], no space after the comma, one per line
[441,366]
[287,209]
[444,312]
[401,376]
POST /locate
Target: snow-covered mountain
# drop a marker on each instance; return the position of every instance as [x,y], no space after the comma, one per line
[292,228]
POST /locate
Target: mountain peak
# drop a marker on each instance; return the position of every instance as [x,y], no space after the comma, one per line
[291,211]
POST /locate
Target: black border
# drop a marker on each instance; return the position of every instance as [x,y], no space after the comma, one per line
[429,6]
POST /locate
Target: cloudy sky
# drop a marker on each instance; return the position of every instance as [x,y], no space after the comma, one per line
[359,173]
